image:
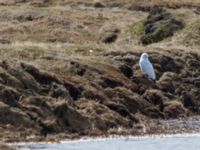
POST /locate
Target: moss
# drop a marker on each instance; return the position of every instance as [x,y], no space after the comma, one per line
[159,25]
[137,29]
[146,39]
[155,36]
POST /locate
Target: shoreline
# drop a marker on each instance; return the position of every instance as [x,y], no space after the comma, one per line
[111,137]
[171,131]
[156,128]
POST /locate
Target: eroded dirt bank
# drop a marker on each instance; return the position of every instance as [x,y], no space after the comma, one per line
[74,98]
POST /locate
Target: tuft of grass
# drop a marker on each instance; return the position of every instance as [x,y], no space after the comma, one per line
[195,30]
[34,51]
[191,34]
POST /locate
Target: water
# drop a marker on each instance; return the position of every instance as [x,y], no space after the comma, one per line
[178,142]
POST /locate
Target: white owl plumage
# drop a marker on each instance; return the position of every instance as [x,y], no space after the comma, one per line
[146,66]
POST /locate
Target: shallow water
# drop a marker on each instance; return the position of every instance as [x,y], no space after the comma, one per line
[178,142]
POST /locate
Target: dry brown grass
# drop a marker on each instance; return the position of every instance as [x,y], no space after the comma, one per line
[107,3]
[175,3]
[136,3]
[70,29]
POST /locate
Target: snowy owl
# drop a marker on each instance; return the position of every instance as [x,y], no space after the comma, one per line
[146,66]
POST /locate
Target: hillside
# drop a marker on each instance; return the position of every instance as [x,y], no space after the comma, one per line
[69,68]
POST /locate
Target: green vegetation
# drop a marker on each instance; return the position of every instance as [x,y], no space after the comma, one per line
[137,29]
[154,36]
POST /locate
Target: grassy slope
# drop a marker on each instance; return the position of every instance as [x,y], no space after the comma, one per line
[77,29]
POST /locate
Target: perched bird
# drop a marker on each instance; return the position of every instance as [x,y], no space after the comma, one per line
[146,66]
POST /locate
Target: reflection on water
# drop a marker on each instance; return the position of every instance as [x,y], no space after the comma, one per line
[178,142]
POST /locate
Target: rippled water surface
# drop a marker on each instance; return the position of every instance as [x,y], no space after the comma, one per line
[191,142]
